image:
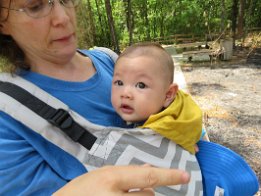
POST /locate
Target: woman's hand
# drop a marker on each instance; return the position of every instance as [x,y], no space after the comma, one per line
[118,180]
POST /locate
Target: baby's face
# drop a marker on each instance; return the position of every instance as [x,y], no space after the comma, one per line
[139,88]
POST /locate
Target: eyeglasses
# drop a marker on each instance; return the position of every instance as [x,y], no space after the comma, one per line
[41,8]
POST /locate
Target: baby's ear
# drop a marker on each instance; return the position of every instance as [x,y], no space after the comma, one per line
[171,94]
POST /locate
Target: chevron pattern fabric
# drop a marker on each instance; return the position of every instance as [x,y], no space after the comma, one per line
[117,146]
[114,146]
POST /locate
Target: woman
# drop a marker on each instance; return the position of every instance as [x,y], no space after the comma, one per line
[38,37]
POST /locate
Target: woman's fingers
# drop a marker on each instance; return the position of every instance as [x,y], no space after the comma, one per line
[148,177]
[123,180]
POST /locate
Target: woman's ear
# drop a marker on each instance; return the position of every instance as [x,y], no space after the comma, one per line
[171,94]
[3,28]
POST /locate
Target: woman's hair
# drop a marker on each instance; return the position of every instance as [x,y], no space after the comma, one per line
[9,50]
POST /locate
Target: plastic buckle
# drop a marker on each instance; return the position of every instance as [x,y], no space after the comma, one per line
[61,119]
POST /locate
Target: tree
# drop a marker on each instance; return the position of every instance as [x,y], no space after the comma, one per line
[240,26]
[146,20]
[223,16]
[111,26]
[103,34]
[86,27]
[234,19]
[123,22]
[129,19]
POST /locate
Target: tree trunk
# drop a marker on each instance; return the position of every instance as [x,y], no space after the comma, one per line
[240,26]
[223,16]
[112,27]
[155,20]
[100,19]
[234,19]
[129,19]
[161,19]
[145,9]
[92,26]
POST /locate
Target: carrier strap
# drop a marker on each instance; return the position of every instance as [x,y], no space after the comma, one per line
[57,117]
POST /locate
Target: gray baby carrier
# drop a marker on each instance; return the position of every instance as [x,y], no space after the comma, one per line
[94,145]
[105,145]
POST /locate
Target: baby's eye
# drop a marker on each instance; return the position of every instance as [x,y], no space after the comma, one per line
[118,83]
[141,85]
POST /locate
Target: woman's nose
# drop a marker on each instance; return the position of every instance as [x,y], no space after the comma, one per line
[59,13]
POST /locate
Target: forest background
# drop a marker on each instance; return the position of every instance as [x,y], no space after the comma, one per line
[119,23]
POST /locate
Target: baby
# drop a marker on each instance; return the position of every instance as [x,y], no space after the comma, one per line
[143,93]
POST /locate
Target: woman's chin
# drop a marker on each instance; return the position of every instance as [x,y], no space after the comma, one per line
[66,53]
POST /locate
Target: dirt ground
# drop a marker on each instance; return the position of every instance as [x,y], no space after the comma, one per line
[230,95]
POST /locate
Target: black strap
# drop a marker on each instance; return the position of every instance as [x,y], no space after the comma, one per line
[57,117]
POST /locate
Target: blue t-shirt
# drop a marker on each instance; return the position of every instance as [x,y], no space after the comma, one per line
[29,164]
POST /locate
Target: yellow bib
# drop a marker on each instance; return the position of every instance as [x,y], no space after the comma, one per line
[180,122]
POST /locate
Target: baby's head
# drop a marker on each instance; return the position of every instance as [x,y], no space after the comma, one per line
[142,82]
[154,51]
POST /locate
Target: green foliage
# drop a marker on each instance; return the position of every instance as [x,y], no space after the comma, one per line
[188,19]
[253,16]
[162,18]
[2,63]
[152,19]
[156,18]
[85,30]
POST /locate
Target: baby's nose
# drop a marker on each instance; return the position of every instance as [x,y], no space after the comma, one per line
[127,93]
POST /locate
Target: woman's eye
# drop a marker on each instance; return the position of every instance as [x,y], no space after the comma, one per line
[118,83]
[67,1]
[141,85]
[35,6]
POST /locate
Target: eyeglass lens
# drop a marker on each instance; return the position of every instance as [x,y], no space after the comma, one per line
[41,8]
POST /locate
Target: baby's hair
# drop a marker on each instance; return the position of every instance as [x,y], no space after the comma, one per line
[152,50]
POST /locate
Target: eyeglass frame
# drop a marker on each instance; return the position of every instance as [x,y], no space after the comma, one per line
[50,3]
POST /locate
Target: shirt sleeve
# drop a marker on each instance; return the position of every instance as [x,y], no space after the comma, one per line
[113,55]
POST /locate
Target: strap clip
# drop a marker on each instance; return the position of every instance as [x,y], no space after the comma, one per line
[61,119]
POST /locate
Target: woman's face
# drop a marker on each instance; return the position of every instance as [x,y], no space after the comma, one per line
[50,38]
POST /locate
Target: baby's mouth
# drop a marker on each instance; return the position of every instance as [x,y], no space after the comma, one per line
[126,108]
